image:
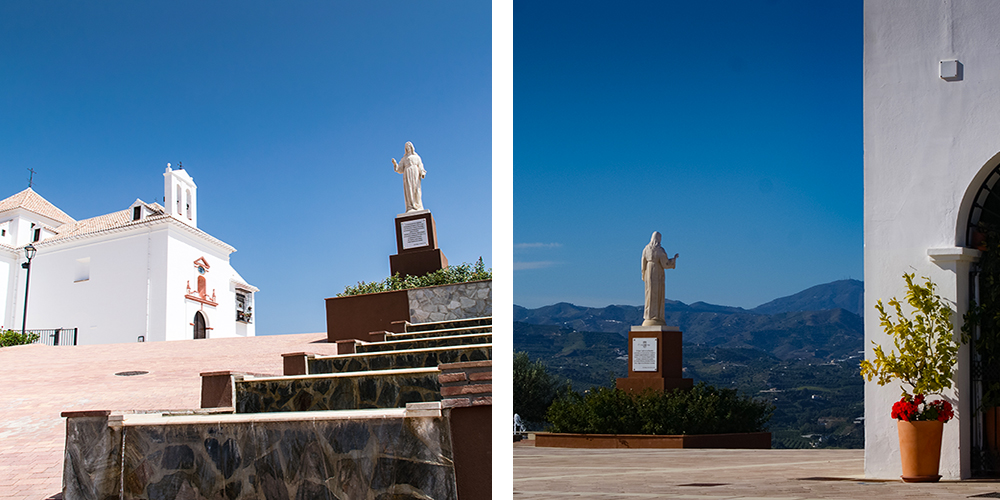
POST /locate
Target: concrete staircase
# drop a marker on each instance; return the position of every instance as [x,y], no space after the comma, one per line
[404,415]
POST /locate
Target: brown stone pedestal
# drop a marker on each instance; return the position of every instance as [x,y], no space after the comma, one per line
[663,374]
[416,245]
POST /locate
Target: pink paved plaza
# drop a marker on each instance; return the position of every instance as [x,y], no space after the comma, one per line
[40,382]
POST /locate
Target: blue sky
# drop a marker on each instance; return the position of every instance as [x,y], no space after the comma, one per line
[286,114]
[733,128]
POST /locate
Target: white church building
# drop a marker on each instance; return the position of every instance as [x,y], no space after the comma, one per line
[931,167]
[145,273]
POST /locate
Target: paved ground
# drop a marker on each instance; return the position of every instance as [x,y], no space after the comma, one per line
[554,473]
[40,382]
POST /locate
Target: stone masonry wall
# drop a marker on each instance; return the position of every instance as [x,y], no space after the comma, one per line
[364,458]
[442,303]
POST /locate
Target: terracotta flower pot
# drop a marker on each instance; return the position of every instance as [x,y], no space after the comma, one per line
[920,450]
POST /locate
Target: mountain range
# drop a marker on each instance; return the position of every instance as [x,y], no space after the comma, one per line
[823,322]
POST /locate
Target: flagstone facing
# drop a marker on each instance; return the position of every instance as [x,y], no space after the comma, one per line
[451,340]
[308,393]
[442,303]
[420,334]
[393,360]
[372,458]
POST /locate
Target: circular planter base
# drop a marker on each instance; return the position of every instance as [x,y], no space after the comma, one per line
[921,479]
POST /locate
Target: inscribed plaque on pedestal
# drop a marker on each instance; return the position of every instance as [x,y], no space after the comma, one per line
[644,354]
[414,233]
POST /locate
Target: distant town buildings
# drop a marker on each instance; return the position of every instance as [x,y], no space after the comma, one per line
[145,273]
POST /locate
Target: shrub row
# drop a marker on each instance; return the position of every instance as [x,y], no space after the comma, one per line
[452,274]
[702,410]
[10,338]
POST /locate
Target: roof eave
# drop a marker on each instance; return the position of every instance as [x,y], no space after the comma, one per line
[145,223]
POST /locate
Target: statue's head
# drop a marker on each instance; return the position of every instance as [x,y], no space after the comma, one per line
[655,240]
[409,148]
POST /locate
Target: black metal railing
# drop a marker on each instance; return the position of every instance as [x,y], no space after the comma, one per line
[57,336]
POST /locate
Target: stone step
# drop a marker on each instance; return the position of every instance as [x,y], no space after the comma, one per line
[399,359]
[451,323]
[445,332]
[399,345]
[338,391]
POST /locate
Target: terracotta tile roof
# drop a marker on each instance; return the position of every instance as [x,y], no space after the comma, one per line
[113,220]
[33,202]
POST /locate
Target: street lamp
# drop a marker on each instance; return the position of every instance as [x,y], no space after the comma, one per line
[29,252]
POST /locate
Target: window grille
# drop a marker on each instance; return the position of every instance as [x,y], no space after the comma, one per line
[244,306]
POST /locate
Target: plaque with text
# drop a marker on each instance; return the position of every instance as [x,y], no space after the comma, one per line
[414,233]
[644,354]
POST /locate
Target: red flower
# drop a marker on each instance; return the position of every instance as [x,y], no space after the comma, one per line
[904,410]
[917,408]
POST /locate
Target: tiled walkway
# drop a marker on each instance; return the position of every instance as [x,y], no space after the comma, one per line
[557,473]
[39,382]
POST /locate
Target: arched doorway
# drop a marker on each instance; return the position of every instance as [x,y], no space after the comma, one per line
[200,326]
[982,231]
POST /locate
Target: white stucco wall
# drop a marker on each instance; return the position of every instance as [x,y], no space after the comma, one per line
[136,285]
[927,143]
[108,307]
[7,260]
[184,248]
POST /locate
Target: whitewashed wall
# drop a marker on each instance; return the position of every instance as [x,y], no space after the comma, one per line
[184,249]
[135,285]
[928,143]
[8,258]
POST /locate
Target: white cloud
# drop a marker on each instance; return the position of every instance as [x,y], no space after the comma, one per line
[521,266]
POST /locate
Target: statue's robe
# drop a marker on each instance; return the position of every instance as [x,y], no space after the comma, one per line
[412,168]
[654,262]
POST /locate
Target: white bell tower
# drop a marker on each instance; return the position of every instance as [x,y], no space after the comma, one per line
[180,195]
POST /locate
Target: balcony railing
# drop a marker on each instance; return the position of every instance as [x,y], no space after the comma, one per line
[58,336]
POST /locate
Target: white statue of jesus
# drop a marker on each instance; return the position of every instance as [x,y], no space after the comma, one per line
[654,262]
[413,170]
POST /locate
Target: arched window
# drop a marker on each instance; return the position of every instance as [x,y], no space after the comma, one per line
[200,326]
[189,203]
[178,212]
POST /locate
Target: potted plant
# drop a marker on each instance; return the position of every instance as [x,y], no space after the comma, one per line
[925,362]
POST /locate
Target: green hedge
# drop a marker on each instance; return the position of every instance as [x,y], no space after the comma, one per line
[702,410]
[10,337]
[452,274]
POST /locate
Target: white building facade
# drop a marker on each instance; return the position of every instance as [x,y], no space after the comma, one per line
[931,144]
[146,273]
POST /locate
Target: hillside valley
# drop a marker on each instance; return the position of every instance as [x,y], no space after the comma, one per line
[805,361]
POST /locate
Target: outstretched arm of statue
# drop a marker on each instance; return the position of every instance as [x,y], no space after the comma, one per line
[676,255]
[394,165]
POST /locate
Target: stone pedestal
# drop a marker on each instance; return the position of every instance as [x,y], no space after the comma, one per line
[655,360]
[416,245]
